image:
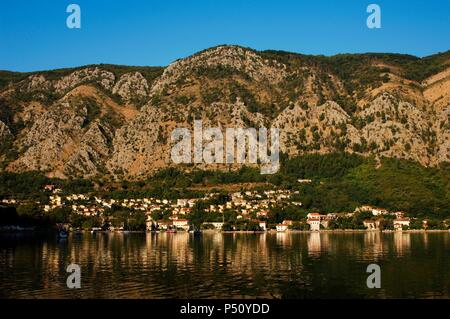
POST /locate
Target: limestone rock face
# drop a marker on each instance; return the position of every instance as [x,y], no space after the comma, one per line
[5,135]
[43,146]
[442,126]
[36,82]
[103,78]
[131,86]
[226,57]
[116,122]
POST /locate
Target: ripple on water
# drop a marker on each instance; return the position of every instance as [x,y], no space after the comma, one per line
[227,265]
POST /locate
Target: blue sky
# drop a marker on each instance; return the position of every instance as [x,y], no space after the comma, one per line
[34,36]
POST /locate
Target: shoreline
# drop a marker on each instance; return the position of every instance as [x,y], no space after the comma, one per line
[210,231]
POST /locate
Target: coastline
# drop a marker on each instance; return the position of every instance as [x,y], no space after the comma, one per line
[211,231]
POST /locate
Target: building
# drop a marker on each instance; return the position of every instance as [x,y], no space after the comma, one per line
[399,214]
[314,224]
[149,225]
[49,187]
[262,213]
[185,210]
[314,221]
[399,223]
[163,225]
[313,215]
[282,227]
[216,225]
[263,226]
[369,224]
[181,223]
[182,202]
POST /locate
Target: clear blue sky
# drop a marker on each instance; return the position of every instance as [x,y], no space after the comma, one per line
[34,36]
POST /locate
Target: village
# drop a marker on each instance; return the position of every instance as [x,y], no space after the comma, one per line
[246,207]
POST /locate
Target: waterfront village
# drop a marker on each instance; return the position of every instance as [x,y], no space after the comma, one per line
[249,211]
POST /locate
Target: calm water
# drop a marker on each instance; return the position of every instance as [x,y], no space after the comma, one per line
[278,265]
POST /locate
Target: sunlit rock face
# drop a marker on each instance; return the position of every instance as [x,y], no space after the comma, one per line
[115,121]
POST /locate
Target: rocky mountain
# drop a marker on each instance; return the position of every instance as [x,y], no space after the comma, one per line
[115,121]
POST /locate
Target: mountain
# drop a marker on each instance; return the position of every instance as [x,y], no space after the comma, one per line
[115,121]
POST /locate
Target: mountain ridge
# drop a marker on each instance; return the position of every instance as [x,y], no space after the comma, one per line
[107,120]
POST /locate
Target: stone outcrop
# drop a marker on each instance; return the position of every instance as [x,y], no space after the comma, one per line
[99,123]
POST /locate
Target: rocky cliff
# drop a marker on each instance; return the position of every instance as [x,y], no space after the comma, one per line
[115,121]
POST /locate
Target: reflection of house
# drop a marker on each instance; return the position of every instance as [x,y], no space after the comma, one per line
[369,224]
[314,244]
[313,221]
[282,227]
[399,223]
[402,242]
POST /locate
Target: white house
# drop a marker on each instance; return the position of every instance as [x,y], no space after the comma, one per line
[282,227]
[263,226]
[314,221]
[399,223]
[181,223]
[314,224]
[217,225]
[182,202]
[313,215]
[369,224]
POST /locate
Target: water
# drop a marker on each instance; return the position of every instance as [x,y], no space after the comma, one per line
[215,265]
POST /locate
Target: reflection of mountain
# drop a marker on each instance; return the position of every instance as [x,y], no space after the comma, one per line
[221,265]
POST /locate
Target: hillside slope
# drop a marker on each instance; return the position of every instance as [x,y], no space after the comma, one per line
[115,121]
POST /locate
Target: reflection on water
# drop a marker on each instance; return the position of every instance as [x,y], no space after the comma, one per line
[215,265]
